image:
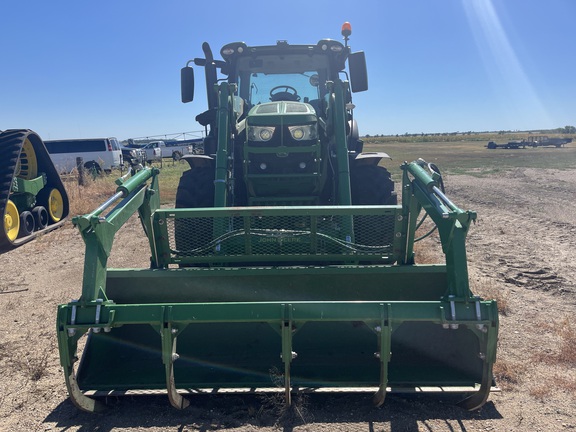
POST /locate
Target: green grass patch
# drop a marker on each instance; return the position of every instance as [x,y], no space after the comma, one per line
[169,177]
[472,157]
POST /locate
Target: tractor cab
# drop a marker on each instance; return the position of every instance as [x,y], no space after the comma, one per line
[291,115]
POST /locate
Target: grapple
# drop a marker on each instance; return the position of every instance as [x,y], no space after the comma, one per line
[296,298]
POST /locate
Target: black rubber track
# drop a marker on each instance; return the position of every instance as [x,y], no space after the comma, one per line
[11,142]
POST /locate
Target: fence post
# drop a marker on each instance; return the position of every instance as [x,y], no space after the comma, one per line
[80,167]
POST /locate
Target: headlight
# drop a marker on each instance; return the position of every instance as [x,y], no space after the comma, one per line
[303,133]
[260,133]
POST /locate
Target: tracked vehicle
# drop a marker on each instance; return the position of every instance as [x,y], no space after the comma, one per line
[288,261]
[32,197]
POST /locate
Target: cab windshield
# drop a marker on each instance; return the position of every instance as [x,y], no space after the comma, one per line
[290,77]
[263,87]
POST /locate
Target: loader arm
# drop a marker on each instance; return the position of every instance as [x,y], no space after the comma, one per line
[452,223]
[98,229]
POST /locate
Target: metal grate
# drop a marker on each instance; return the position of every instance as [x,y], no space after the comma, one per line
[270,235]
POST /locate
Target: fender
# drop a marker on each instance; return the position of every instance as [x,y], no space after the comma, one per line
[198,161]
[369,158]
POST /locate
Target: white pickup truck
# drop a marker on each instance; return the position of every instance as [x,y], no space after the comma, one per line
[156,150]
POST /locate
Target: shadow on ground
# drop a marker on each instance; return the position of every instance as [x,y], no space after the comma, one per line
[221,412]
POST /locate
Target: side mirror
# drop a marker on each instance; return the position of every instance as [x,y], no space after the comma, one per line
[187,84]
[358,72]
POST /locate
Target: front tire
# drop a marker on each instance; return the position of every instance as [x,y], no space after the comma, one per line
[195,190]
[372,185]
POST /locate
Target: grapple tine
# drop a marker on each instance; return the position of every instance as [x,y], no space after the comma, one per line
[476,400]
[79,399]
[287,354]
[379,397]
[170,356]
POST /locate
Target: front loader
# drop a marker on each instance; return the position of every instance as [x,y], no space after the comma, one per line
[287,262]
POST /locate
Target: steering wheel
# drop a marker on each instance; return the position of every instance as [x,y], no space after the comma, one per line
[289,94]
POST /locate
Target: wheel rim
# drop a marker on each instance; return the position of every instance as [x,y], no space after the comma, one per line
[27,164]
[11,221]
[55,205]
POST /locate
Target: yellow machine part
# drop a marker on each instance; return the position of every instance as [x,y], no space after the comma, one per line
[27,164]
[11,221]
[55,205]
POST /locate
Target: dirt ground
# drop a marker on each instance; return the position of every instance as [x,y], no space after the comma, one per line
[521,252]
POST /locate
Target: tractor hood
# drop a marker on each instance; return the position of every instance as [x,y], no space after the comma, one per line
[287,113]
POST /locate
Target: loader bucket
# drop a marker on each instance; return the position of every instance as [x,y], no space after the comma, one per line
[276,298]
[336,319]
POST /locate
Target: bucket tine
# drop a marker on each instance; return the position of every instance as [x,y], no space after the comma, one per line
[384,345]
[170,355]
[380,395]
[78,398]
[478,399]
[287,353]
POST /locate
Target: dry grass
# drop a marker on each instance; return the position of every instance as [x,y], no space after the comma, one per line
[84,199]
[507,373]
[566,333]
[33,365]
[428,253]
[560,363]
[429,249]
[540,392]
[567,353]
[487,289]
[549,387]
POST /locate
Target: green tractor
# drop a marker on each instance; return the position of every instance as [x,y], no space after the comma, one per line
[287,261]
[32,197]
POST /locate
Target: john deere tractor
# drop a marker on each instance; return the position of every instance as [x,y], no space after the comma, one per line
[32,197]
[287,261]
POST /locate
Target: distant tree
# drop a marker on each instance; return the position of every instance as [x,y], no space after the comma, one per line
[569,129]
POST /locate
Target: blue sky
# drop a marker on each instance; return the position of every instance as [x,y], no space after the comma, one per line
[76,68]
